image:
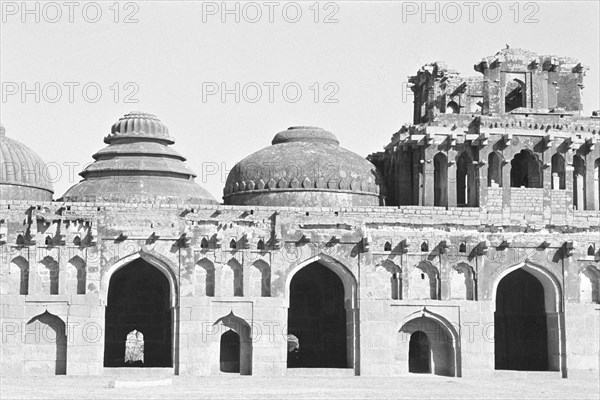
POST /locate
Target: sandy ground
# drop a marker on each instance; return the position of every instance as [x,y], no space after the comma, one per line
[239,387]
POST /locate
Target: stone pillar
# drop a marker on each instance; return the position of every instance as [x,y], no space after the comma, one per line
[451,177]
[482,178]
[569,181]
[63,274]
[428,185]
[34,279]
[247,280]
[506,190]
[444,277]
[590,184]
[218,279]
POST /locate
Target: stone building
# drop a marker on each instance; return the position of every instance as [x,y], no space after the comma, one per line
[470,245]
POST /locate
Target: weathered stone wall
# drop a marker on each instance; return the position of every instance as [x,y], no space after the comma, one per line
[433,250]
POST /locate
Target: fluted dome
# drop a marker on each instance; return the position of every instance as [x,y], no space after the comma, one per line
[304,167]
[23,174]
[138,166]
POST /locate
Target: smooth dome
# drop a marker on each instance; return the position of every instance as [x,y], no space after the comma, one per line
[138,166]
[23,174]
[304,167]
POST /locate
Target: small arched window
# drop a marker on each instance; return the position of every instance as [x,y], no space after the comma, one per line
[558,171]
[452,108]
[387,246]
[494,170]
[591,250]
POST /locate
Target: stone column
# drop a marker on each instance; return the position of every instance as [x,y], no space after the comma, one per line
[452,177]
[428,185]
[590,192]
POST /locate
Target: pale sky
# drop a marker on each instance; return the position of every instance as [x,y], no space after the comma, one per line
[177,52]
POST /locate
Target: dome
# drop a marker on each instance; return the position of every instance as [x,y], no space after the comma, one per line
[138,166]
[304,167]
[23,174]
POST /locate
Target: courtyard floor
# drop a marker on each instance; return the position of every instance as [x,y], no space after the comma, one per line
[239,387]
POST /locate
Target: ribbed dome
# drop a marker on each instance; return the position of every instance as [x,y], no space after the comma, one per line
[23,174]
[304,167]
[138,166]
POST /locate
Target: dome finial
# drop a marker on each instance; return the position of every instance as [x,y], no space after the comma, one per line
[141,125]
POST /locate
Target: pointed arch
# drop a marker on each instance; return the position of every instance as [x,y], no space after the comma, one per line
[45,347]
[390,285]
[236,279]
[443,337]
[48,275]
[530,297]
[347,277]
[552,287]
[424,281]
[526,170]
[162,264]
[340,310]
[462,282]
[141,294]
[204,243]
[205,278]
[243,331]
[77,276]
[19,270]
[261,279]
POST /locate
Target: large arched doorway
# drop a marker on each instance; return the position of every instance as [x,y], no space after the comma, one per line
[138,300]
[317,318]
[521,323]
